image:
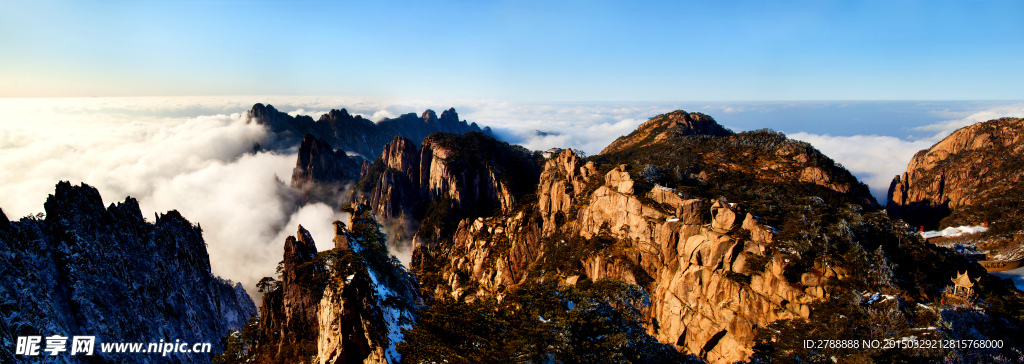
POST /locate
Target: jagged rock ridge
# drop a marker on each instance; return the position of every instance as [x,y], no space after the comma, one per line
[972,176]
[355,133]
[344,305]
[89,270]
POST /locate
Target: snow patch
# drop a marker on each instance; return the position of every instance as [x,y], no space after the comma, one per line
[952,232]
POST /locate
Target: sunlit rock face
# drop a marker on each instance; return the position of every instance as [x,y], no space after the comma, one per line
[971,172]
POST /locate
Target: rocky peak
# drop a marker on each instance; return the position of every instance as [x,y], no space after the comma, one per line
[300,249]
[973,169]
[269,116]
[429,117]
[70,203]
[564,178]
[320,171]
[449,118]
[666,127]
[402,155]
[290,312]
[335,116]
[344,305]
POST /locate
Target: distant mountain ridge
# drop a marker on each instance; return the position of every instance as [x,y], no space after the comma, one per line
[355,133]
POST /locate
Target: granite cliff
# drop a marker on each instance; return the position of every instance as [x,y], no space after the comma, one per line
[972,176]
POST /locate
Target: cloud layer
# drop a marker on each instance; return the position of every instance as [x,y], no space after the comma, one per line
[198,165]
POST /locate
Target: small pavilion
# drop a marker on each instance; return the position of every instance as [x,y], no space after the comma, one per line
[963,286]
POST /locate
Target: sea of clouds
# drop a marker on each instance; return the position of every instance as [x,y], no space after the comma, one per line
[194,154]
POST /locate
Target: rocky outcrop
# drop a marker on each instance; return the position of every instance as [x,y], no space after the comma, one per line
[700,299]
[973,168]
[449,172]
[92,271]
[488,256]
[298,297]
[355,133]
[321,173]
[565,176]
[667,126]
[690,255]
[345,305]
[397,193]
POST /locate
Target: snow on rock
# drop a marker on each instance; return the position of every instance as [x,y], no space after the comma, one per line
[952,232]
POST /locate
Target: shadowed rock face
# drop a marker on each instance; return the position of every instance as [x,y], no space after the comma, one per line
[355,133]
[89,270]
[976,168]
[470,175]
[321,173]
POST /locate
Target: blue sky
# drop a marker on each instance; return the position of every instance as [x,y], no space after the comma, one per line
[516,50]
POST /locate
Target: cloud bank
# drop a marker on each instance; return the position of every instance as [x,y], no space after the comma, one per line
[198,165]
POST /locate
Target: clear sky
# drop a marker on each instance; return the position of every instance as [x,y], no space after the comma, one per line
[516,50]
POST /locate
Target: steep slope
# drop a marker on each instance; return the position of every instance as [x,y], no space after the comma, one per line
[354,133]
[973,176]
[88,270]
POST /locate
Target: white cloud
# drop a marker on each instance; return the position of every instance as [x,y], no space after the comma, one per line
[944,128]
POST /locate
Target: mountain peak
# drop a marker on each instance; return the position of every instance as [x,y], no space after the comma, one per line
[667,126]
[336,114]
[429,116]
